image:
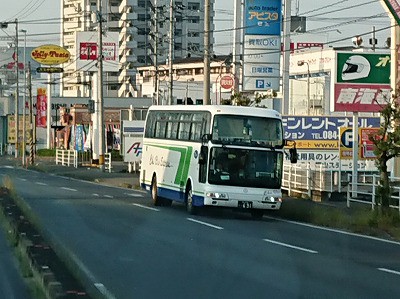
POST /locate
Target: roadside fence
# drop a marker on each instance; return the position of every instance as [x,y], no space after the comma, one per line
[107,162]
[307,179]
[67,157]
[365,191]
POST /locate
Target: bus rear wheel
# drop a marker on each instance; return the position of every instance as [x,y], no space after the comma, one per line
[190,207]
[154,192]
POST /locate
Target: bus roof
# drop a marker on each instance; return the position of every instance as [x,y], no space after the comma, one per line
[220,109]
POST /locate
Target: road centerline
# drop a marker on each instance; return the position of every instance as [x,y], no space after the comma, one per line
[205,223]
[389,271]
[290,246]
[145,207]
[68,189]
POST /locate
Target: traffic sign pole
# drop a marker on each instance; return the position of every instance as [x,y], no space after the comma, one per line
[355,154]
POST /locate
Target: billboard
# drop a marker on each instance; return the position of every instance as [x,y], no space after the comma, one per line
[262,44]
[365,146]
[394,8]
[320,132]
[87,51]
[263,17]
[41,108]
[362,82]
[50,55]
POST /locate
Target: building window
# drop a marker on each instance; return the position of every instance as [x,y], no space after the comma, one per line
[193,6]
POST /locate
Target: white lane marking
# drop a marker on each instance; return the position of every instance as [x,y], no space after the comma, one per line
[333,230]
[134,194]
[146,207]
[95,194]
[68,189]
[24,180]
[205,223]
[109,196]
[290,246]
[40,183]
[389,271]
[103,290]
[7,167]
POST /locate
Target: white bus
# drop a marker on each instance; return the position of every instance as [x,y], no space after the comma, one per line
[208,155]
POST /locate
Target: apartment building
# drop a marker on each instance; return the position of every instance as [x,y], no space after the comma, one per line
[143,38]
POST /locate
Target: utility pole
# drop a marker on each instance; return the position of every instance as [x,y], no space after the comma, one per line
[31,124]
[100,108]
[171,50]
[24,106]
[157,96]
[286,58]
[206,72]
[16,92]
[236,42]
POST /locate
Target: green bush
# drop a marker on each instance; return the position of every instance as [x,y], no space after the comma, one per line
[46,152]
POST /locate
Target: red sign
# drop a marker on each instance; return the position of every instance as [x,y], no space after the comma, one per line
[227,82]
[361,97]
[88,51]
[367,146]
[41,108]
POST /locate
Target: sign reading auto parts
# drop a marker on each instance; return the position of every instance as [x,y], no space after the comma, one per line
[50,54]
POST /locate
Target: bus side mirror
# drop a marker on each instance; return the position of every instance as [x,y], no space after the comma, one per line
[203,155]
[293,155]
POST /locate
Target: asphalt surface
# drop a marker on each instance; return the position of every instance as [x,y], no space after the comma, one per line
[129,249]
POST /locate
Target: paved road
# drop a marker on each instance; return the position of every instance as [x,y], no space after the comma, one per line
[12,285]
[129,249]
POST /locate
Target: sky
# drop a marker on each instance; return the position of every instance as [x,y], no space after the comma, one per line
[329,20]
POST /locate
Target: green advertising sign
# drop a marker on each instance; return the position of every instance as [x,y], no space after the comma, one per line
[372,68]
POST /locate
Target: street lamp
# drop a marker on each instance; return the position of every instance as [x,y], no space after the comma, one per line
[301,63]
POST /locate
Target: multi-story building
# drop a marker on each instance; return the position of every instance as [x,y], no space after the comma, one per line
[143,27]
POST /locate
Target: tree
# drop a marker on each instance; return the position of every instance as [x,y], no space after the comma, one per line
[387,146]
[240,99]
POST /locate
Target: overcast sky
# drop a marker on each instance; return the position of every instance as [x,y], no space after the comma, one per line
[345,21]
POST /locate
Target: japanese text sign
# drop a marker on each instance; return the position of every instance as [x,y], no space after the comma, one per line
[263,17]
[320,132]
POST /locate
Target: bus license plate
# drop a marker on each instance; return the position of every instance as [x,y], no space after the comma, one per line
[245,204]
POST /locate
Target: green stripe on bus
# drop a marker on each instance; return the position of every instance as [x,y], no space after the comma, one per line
[184,161]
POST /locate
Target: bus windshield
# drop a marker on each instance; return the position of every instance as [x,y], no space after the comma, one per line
[245,168]
[257,131]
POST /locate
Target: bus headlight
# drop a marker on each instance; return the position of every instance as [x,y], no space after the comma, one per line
[217,195]
[272,199]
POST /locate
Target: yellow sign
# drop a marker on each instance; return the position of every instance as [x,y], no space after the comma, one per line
[11,128]
[50,54]
[317,144]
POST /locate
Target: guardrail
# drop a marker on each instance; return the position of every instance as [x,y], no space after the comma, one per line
[67,157]
[306,179]
[107,162]
[365,192]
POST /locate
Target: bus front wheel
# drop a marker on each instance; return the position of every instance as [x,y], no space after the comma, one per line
[190,207]
[154,192]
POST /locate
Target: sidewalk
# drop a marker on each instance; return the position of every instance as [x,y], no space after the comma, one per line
[119,175]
